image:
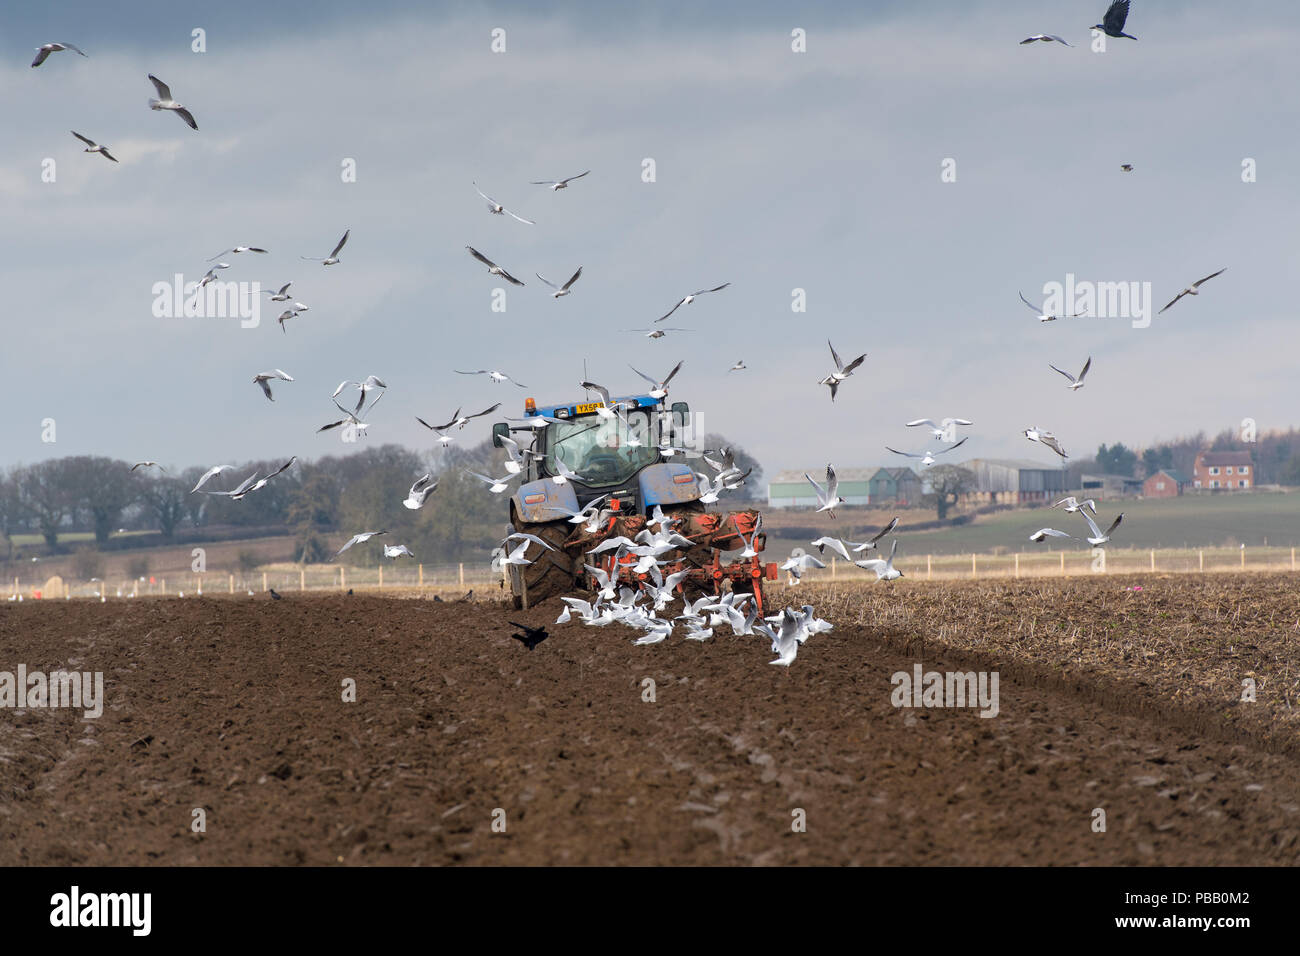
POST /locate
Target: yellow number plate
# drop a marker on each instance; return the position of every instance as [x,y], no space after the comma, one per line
[588,408]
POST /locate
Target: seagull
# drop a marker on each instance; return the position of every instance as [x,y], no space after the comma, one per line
[93,147]
[1098,538]
[560,290]
[517,556]
[659,389]
[282,295]
[1193,289]
[210,473]
[496,485]
[1113,23]
[607,405]
[397,550]
[165,102]
[687,300]
[658,333]
[827,501]
[333,258]
[749,550]
[1075,383]
[371,383]
[361,538]
[928,458]
[419,492]
[497,377]
[531,636]
[1127,167]
[497,209]
[841,372]
[351,417]
[842,547]
[797,564]
[884,567]
[286,315]
[458,419]
[1041,316]
[1043,533]
[738,367]
[149,464]
[45,49]
[939,430]
[1072,504]
[559,184]
[1045,438]
[709,492]
[263,379]
[565,473]
[493,268]
[252,483]
[1045,37]
[238,249]
[240,490]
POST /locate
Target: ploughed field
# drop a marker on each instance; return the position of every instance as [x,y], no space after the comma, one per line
[1125,701]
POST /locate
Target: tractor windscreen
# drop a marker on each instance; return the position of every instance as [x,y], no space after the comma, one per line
[602,451]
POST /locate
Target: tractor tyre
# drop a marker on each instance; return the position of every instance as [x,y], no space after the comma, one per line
[697,557]
[551,573]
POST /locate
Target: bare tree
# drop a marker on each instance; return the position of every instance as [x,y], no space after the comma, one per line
[947,482]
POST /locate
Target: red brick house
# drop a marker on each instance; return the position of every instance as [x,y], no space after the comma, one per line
[1165,483]
[1224,471]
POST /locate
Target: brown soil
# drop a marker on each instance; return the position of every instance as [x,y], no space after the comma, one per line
[234,705]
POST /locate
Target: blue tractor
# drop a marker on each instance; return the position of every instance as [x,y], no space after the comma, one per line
[628,463]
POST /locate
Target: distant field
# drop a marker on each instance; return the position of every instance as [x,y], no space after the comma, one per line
[1187,522]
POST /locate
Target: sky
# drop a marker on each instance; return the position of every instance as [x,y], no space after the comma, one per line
[829,171]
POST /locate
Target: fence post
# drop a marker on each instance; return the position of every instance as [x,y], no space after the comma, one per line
[1062,563]
[972,566]
[421,569]
[1201,559]
[381,576]
[163,589]
[928,574]
[343,583]
[1293,559]
[462,575]
[232,583]
[1153,559]
[833,563]
[263,581]
[1017,564]
[1243,557]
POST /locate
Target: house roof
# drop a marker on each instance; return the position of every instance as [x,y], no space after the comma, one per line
[1225,458]
[819,475]
[1177,476]
[903,472]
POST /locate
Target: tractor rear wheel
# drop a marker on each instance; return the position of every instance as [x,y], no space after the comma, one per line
[697,557]
[551,572]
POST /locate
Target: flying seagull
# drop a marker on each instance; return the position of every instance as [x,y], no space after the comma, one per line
[1127,167]
[738,367]
[1073,504]
[333,258]
[1194,288]
[210,473]
[927,458]
[397,550]
[1044,317]
[1045,37]
[249,485]
[458,419]
[45,49]
[1075,383]
[498,209]
[560,290]
[1113,23]
[658,333]
[842,547]
[286,315]
[659,389]
[826,501]
[559,184]
[93,147]
[238,249]
[493,268]
[350,417]
[497,377]
[371,383]
[282,295]
[1098,538]
[1045,438]
[531,636]
[149,464]
[495,485]
[841,372]
[884,567]
[264,379]
[420,491]
[939,430]
[687,300]
[165,102]
[361,538]
[1043,533]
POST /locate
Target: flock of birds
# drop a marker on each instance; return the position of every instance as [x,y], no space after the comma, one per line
[640,609]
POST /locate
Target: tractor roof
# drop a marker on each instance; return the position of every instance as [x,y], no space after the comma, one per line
[574,409]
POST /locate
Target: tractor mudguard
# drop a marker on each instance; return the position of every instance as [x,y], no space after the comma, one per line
[533,500]
[667,484]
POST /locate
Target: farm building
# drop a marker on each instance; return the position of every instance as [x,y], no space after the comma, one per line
[1110,486]
[1012,481]
[1224,471]
[1165,483]
[790,489]
[858,486]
